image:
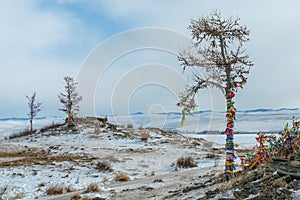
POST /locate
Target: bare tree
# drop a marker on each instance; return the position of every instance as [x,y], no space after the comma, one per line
[70,99]
[34,108]
[217,48]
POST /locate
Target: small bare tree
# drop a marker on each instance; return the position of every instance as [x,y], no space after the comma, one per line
[217,48]
[34,108]
[70,99]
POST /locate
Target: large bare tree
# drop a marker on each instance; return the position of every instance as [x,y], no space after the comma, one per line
[34,108]
[70,99]
[218,49]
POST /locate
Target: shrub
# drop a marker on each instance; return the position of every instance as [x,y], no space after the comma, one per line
[93,187]
[54,189]
[104,166]
[186,162]
[129,125]
[122,177]
[144,136]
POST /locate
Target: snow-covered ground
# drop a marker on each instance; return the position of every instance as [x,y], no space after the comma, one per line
[30,165]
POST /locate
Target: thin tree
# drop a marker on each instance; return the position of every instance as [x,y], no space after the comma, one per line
[70,99]
[218,49]
[34,108]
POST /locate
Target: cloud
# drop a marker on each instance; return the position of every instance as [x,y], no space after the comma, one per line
[41,41]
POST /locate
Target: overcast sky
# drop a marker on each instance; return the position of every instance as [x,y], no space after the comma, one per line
[42,41]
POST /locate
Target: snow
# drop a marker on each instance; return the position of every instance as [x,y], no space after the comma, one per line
[125,151]
[266,120]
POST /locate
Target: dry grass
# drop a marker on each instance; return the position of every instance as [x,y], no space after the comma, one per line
[52,126]
[186,162]
[122,177]
[105,179]
[159,180]
[42,184]
[211,155]
[3,190]
[54,189]
[23,133]
[76,197]
[104,166]
[18,196]
[93,187]
[69,189]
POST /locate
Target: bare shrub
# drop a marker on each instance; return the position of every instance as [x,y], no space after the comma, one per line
[54,189]
[104,166]
[144,136]
[93,187]
[122,177]
[129,125]
[186,162]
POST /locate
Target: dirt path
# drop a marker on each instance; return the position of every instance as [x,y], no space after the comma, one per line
[175,184]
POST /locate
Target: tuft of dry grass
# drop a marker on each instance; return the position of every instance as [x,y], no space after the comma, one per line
[129,125]
[159,180]
[93,187]
[85,198]
[35,172]
[152,173]
[3,190]
[42,184]
[18,196]
[104,166]
[76,197]
[211,156]
[122,177]
[69,189]
[186,162]
[23,133]
[54,189]
[105,179]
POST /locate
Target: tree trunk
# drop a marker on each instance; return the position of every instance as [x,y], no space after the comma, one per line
[230,115]
[30,121]
[70,120]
